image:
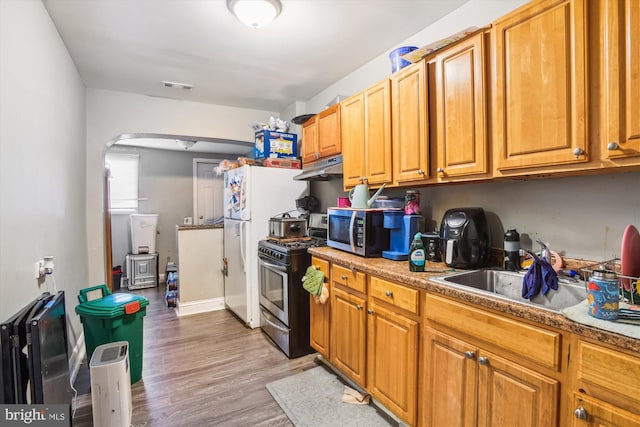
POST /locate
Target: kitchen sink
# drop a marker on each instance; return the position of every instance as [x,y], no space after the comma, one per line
[508,285]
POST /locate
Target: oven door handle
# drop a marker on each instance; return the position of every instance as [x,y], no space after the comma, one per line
[273,266]
[278,327]
[351,231]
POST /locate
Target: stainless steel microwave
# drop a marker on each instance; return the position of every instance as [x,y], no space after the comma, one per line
[359,231]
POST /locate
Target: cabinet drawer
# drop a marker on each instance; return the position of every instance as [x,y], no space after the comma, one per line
[350,278]
[323,266]
[398,295]
[602,371]
[529,342]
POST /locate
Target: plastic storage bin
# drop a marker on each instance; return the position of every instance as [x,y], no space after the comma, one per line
[397,62]
[108,317]
[143,233]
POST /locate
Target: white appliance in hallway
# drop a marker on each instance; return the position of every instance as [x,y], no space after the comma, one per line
[252,195]
[111,385]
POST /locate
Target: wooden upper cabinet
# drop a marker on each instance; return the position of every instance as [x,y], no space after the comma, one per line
[310,140]
[540,111]
[461,110]
[410,125]
[366,136]
[321,135]
[619,39]
[352,128]
[329,141]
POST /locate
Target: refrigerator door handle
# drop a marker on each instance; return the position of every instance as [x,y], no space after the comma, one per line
[244,200]
[242,256]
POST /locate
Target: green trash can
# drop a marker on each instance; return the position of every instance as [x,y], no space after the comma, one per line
[108,317]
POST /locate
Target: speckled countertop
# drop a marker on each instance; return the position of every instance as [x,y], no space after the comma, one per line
[398,271]
[199,227]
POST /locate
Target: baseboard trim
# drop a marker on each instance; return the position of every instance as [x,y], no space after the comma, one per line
[201,306]
[77,355]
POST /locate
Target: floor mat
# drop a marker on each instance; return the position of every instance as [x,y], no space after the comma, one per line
[314,398]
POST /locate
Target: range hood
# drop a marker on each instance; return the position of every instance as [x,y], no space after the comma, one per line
[321,170]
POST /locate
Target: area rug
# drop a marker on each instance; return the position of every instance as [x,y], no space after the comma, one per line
[313,398]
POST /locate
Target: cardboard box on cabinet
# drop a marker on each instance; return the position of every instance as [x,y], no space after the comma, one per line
[275,144]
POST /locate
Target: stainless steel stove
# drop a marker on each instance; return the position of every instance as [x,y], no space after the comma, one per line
[284,303]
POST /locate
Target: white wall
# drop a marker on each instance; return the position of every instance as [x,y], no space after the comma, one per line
[110,114]
[42,161]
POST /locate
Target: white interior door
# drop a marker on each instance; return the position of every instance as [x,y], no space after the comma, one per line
[207,191]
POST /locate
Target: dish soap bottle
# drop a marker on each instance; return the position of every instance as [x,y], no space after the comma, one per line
[417,254]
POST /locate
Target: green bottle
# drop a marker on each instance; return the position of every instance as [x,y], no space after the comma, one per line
[417,254]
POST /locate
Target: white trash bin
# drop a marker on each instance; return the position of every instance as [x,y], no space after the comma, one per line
[143,233]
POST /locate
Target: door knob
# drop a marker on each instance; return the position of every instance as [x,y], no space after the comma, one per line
[440,170]
[420,172]
[358,306]
[579,152]
[389,294]
[483,361]
[613,146]
[369,311]
[470,354]
[580,413]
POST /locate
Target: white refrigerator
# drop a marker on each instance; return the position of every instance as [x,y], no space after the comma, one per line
[252,195]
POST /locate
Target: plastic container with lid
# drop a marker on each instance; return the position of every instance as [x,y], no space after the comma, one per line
[397,62]
[108,317]
[603,294]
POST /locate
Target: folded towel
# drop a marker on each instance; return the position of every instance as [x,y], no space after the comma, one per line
[313,280]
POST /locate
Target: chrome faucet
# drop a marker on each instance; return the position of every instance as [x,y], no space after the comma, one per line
[544,252]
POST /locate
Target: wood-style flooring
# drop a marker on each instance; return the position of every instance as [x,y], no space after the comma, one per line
[201,370]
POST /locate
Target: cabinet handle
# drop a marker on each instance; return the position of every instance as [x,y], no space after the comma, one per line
[420,172]
[369,311]
[483,361]
[358,306]
[440,170]
[613,146]
[344,277]
[580,413]
[470,354]
[389,294]
[578,152]
[361,179]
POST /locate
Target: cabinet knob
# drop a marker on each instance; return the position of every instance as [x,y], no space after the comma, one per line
[440,170]
[579,152]
[470,354]
[613,146]
[420,172]
[359,307]
[344,277]
[369,311]
[483,361]
[580,413]
[389,294]
[361,179]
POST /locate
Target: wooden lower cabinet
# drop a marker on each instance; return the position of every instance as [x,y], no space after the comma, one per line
[320,314]
[591,412]
[466,386]
[392,361]
[348,339]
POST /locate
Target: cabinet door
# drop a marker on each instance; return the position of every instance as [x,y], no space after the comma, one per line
[511,395]
[540,115]
[310,140]
[410,132]
[320,314]
[329,142]
[620,83]
[352,130]
[450,375]
[589,412]
[377,133]
[461,110]
[348,327]
[392,366]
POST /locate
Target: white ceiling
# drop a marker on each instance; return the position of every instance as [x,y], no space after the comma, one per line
[133,45]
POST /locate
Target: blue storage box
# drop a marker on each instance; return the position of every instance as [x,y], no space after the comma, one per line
[274,144]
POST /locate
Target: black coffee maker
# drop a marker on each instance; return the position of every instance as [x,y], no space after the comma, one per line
[465,238]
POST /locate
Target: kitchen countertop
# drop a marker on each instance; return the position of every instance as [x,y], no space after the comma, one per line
[398,271]
[199,227]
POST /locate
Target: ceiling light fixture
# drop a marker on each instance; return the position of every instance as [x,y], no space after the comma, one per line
[255,13]
[184,86]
